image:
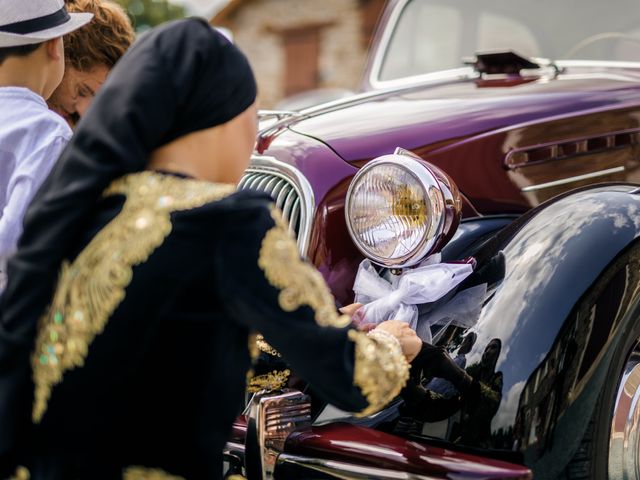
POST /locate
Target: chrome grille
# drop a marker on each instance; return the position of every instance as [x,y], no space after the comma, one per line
[285,196]
[290,191]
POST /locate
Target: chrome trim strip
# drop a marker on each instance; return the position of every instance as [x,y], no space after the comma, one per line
[597,64]
[347,471]
[462,73]
[290,174]
[564,181]
[279,114]
[581,144]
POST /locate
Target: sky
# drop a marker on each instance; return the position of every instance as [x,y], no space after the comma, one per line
[205,8]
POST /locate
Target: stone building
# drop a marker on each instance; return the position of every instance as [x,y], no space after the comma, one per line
[300,45]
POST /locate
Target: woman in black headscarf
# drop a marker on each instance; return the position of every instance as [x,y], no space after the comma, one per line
[125,323]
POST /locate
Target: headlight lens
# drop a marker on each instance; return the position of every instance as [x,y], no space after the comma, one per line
[395,210]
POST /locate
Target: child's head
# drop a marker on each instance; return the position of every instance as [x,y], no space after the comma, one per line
[37,66]
[90,54]
[31,45]
[21,51]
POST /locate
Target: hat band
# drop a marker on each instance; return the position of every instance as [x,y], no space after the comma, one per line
[37,24]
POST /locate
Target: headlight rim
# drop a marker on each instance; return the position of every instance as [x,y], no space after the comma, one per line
[430,183]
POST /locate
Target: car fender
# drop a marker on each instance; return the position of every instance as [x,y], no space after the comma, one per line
[569,293]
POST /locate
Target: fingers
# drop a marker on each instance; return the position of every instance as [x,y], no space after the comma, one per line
[409,340]
[353,311]
[350,309]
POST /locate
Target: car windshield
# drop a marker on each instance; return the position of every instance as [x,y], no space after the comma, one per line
[433,35]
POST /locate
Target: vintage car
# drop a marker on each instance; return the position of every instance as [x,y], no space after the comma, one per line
[531,112]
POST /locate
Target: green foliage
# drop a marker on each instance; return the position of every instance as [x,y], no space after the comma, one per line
[149,13]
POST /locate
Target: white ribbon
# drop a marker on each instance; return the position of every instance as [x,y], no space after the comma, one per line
[384,300]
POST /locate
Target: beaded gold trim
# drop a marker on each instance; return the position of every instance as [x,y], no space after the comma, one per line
[298,281]
[92,287]
[381,370]
[269,381]
[144,473]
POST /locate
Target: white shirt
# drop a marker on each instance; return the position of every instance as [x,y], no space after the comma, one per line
[31,140]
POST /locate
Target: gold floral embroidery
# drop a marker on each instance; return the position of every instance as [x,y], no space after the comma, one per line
[381,369]
[143,473]
[270,381]
[92,287]
[299,282]
[263,346]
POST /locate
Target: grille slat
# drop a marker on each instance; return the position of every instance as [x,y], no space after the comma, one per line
[282,196]
[290,190]
[264,181]
[270,186]
[248,179]
[251,184]
[295,216]
[280,184]
[288,205]
[284,193]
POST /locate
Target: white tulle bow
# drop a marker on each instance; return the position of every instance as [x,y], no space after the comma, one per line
[384,300]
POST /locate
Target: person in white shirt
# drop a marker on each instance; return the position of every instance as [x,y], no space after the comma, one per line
[31,136]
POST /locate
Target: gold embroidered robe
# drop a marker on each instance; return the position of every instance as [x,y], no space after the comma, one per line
[141,358]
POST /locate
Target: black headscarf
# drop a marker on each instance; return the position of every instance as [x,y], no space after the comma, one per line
[177,79]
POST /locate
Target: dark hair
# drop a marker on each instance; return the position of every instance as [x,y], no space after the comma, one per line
[21,51]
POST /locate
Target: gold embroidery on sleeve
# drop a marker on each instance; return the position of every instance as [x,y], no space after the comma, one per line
[91,288]
[269,381]
[263,346]
[299,282]
[381,370]
[144,473]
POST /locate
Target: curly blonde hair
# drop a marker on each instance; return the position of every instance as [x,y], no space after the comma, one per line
[101,42]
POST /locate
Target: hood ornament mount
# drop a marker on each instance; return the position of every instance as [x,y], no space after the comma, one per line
[507,62]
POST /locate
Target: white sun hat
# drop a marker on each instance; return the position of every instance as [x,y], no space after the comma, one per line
[25,22]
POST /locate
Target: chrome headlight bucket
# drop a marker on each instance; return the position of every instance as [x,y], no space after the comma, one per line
[399,209]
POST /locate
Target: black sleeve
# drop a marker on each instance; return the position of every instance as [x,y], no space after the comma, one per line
[268,288]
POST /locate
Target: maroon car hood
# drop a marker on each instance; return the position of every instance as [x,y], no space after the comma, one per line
[440,114]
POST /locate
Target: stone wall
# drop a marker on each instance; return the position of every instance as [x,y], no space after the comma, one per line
[255,27]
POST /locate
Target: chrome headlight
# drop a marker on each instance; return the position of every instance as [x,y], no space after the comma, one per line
[397,210]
